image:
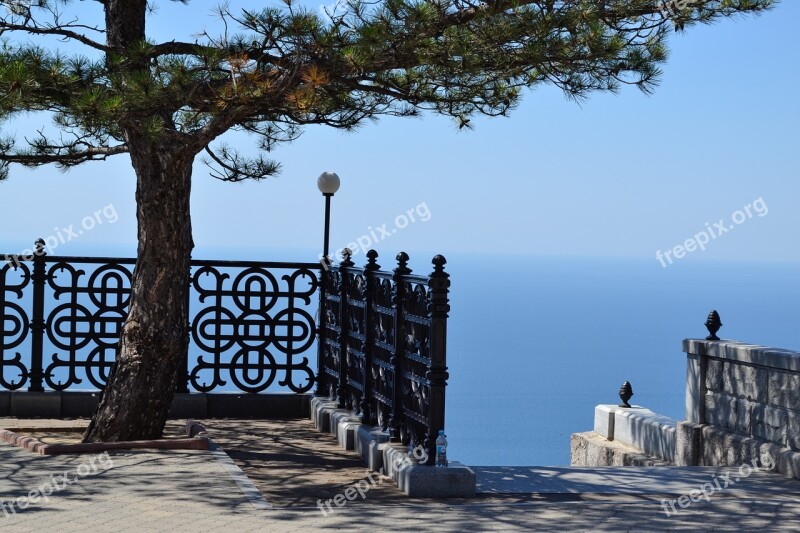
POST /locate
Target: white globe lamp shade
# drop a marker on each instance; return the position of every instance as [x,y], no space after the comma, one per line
[328,183]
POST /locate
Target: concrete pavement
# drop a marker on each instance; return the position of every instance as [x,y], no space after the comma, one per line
[188,490]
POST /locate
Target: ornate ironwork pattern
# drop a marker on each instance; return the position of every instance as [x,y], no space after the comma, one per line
[383,346]
[383,341]
[244,322]
[328,374]
[251,322]
[86,320]
[14,324]
[355,340]
[416,353]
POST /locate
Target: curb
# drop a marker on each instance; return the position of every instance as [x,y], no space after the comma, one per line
[197,439]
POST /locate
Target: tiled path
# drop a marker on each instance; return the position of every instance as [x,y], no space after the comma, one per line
[176,491]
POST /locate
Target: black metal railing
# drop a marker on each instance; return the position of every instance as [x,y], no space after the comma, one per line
[249,321]
[382,334]
[382,350]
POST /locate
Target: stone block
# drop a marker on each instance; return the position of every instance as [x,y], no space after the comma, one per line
[455,481]
[745,381]
[599,454]
[36,404]
[255,406]
[695,388]
[578,448]
[592,450]
[793,430]
[788,463]
[285,405]
[604,420]
[721,410]
[339,417]
[79,404]
[746,414]
[368,441]
[714,373]
[346,434]
[192,405]
[321,413]
[744,353]
[5,403]
[784,389]
[317,402]
[768,453]
[770,423]
[644,430]
[422,481]
[723,448]
[688,443]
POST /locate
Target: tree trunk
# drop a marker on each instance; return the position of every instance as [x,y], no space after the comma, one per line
[155,337]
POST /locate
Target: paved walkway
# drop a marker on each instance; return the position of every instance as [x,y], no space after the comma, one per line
[176,491]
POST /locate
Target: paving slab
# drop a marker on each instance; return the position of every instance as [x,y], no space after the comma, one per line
[295,465]
[44,423]
[611,480]
[193,490]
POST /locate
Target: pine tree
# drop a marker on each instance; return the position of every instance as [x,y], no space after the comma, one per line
[167,103]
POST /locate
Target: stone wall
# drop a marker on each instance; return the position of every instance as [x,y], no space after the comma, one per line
[742,404]
[746,389]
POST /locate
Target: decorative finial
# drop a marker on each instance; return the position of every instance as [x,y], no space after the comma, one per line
[438,263]
[39,245]
[402,263]
[625,394]
[347,253]
[713,324]
[372,261]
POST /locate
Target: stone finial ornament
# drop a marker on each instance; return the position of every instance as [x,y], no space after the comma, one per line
[713,324]
[625,394]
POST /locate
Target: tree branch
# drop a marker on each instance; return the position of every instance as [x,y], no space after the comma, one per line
[70,158]
[60,31]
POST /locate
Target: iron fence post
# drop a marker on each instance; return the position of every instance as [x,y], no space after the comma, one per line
[322,388]
[39,279]
[344,319]
[370,268]
[398,301]
[439,307]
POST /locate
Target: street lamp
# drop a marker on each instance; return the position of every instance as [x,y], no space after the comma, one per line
[328,183]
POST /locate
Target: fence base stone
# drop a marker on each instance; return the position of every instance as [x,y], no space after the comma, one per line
[372,444]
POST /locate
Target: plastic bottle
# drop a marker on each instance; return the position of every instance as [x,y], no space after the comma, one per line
[441,449]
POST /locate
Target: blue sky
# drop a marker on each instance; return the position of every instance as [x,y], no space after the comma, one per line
[617,176]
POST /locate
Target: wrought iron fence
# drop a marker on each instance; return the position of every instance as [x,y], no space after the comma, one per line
[382,350]
[249,321]
[382,334]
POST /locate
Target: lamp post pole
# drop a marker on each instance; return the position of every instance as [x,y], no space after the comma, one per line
[328,183]
[326,245]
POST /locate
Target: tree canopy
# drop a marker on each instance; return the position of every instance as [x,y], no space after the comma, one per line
[271,71]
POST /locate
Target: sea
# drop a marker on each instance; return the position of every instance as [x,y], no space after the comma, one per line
[536,342]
